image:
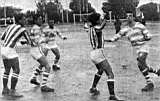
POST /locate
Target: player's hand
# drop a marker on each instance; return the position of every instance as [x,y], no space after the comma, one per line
[64,38]
[23,42]
[108,40]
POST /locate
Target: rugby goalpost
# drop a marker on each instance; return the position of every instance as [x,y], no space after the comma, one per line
[81,16]
[143,2]
[6,21]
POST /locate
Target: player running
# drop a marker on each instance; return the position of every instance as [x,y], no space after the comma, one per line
[9,38]
[38,53]
[97,56]
[139,37]
[52,31]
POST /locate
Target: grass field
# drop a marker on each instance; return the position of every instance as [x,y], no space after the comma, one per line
[75,78]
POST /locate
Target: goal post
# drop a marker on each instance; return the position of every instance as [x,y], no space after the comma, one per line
[80,17]
[6,21]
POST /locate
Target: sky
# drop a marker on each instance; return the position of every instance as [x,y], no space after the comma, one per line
[30,4]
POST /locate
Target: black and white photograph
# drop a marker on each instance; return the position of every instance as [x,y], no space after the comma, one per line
[79,50]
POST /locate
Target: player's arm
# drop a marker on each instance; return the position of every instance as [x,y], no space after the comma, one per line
[60,35]
[103,24]
[119,35]
[27,37]
[147,35]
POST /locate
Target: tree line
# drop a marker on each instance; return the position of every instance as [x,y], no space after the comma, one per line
[54,10]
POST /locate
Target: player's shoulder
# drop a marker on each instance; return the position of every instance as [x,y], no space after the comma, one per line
[35,27]
[139,25]
[46,29]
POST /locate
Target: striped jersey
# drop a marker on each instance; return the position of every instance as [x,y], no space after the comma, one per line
[12,34]
[137,35]
[96,38]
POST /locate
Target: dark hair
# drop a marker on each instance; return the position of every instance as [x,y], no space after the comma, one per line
[18,18]
[93,18]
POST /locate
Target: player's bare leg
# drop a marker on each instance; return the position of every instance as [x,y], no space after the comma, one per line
[145,71]
[93,90]
[14,78]
[56,52]
[44,88]
[7,66]
[110,82]
[37,72]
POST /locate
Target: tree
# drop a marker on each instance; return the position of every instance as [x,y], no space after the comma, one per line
[119,8]
[10,11]
[150,11]
[80,6]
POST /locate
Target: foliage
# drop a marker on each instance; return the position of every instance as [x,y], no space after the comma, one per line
[150,11]
[10,11]
[119,8]
[80,6]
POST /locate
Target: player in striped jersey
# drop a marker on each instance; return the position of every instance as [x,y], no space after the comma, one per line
[38,53]
[139,37]
[10,57]
[52,32]
[98,57]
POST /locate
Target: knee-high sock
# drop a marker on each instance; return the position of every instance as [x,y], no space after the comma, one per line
[5,80]
[36,72]
[145,72]
[110,83]
[14,80]
[96,80]
[45,78]
[155,71]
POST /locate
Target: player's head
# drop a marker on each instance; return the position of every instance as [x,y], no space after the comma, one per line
[94,18]
[130,19]
[51,23]
[39,21]
[20,19]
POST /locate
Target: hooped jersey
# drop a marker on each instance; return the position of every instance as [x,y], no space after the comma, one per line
[137,35]
[37,35]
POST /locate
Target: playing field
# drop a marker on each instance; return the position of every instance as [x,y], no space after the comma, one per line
[73,81]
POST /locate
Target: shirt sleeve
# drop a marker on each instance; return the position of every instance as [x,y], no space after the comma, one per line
[27,37]
[121,33]
[58,33]
[4,34]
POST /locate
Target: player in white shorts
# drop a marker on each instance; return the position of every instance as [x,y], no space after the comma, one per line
[98,58]
[9,38]
[37,52]
[52,31]
[139,37]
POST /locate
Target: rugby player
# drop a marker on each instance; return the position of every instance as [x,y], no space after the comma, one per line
[139,36]
[9,38]
[38,53]
[97,56]
[52,31]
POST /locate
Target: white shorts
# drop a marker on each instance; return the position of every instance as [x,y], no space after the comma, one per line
[97,56]
[36,52]
[8,53]
[52,46]
[142,48]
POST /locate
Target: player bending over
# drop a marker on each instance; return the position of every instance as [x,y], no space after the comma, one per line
[139,37]
[98,57]
[10,57]
[37,53]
